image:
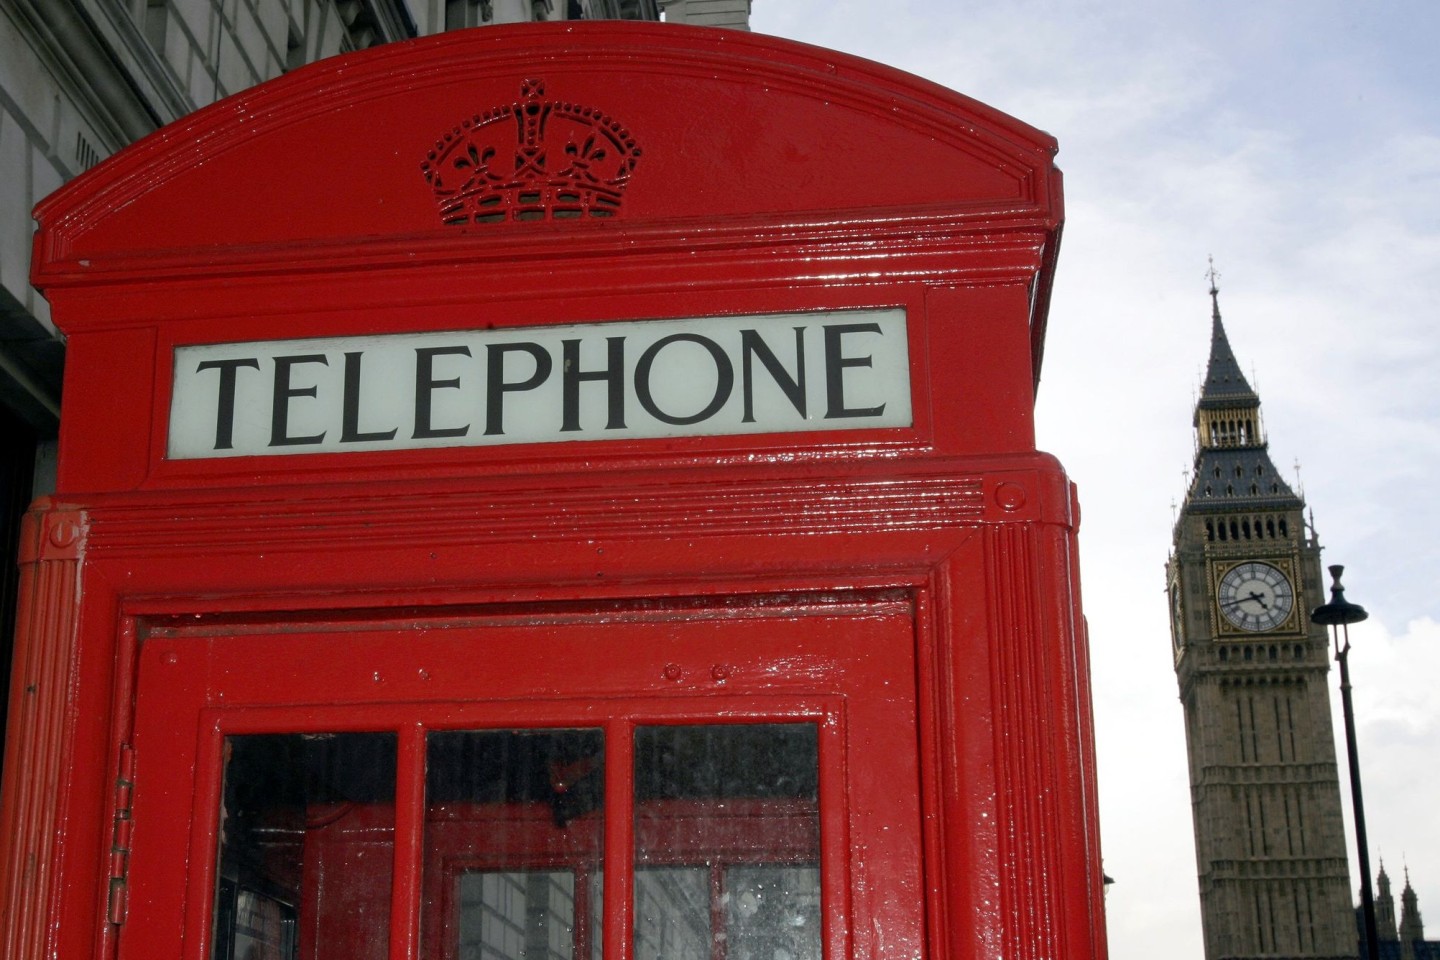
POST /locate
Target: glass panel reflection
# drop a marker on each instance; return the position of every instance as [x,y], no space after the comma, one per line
[772,913]
[727,842]
[513,835]
[307,837]
[672,913]
[527,914]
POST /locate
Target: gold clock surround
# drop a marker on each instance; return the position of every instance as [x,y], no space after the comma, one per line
[1292,624]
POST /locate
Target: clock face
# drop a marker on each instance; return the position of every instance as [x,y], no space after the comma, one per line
[1256,596]
[1177,615]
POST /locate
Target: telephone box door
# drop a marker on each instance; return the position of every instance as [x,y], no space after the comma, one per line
[553,786]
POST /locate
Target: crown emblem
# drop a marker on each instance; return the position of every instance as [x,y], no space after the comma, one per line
[535,159]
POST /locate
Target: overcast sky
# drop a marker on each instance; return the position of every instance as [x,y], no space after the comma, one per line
[1299,143]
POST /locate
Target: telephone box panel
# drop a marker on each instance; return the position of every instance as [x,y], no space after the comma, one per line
[469,791]
[555,492]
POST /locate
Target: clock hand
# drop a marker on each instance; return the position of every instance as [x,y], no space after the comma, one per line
[1246,599]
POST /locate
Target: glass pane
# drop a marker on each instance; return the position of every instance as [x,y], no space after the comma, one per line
[772,913]
[307,838]
[517,913]
[672,913]
[513,832]
[727,842]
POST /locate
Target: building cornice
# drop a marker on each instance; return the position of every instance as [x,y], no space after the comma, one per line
[66,36]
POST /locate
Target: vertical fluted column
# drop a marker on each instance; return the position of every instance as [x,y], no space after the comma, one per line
[51,550]
[1046,838]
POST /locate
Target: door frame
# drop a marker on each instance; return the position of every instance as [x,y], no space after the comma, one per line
[236,691]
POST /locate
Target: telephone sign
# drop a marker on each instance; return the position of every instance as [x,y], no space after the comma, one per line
[659,378]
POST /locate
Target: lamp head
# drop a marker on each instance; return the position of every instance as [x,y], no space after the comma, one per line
[1339,610]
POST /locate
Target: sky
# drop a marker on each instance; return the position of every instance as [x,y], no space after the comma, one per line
[1299,145]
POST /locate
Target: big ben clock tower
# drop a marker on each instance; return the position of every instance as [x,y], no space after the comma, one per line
[1242,577]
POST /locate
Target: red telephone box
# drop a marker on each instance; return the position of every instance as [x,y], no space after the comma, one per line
[555,493]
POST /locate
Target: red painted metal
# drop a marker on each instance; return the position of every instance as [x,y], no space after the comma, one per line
[763,575]
[791,660]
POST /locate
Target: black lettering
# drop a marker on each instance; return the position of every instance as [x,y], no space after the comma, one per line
[496,386]
[284,393]
[835,364]
[751,345]
[613,374]
[426,384]
[225,407]
[350,416]
[724,378]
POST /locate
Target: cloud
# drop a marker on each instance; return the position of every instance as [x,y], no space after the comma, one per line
[1398,726]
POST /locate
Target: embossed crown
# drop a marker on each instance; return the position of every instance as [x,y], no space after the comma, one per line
[535,159]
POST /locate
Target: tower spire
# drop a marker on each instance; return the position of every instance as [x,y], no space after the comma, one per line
[1225,384]
[1214,277]
[1385,928]
[1412,929]
[1232,464]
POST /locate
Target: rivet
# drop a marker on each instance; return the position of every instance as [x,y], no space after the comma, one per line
[673,671]
[1010,496]
[720,672]
[64,533]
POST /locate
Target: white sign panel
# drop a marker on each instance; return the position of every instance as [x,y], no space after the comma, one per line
[710,376]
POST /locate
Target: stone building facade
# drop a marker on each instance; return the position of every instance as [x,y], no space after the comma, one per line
[1243,575]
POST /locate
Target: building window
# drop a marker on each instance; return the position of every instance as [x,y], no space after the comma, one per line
[154,18]
[467,13]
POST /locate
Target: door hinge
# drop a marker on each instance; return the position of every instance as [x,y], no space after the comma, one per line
[120,836]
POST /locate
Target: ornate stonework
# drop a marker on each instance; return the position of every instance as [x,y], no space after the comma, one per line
[1243,575]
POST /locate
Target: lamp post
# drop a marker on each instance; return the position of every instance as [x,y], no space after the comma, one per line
[1338,614]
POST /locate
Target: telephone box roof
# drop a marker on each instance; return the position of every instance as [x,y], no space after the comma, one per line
[547,141]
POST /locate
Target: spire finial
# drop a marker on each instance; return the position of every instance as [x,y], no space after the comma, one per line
[1213,276]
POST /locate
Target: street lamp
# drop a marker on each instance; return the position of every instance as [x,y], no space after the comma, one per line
[1338,614]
